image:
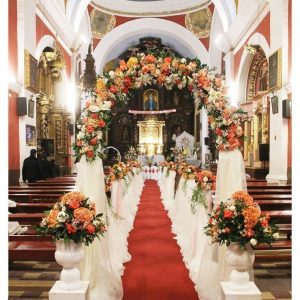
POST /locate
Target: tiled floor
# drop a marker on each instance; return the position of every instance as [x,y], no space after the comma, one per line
[33,280]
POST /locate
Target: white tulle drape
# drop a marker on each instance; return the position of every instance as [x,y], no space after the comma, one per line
[103,262]
[231,177]
[205,262]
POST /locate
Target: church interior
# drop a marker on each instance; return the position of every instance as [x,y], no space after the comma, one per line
[94,80]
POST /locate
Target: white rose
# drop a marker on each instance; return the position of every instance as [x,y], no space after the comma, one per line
[80,135]
[62,216]
[111,74]
[253,242]
[99,135]
[232,208]
[183,60]
[94,108]
[78,126]
[276,235]
[205,178]
[44,222]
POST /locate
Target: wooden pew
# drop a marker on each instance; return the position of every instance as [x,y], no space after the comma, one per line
[26,218]
[33,197]
[31,207]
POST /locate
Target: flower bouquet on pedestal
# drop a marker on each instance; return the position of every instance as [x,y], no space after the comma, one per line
[239,224]
[206,184]
[72,222]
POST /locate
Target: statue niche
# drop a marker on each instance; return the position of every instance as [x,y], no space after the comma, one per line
[150,100]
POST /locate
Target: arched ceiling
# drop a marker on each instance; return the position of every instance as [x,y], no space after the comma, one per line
[149,8]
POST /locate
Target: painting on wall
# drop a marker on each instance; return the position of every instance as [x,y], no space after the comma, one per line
[275,71]
[30,135]
[199,22]
[101,23]
[31,72]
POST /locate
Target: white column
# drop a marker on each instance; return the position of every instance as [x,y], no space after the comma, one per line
[26,27]
[279,125]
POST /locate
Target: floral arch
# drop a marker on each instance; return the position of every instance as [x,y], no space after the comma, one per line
[160,68]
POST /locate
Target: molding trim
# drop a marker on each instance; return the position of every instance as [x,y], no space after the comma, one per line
[149,8]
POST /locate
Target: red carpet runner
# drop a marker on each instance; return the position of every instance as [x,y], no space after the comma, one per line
[156,271]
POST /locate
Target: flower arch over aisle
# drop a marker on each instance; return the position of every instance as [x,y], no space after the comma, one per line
[168,70]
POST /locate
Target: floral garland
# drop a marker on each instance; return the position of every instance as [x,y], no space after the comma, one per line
[239,220]
[170,72]
[95,118]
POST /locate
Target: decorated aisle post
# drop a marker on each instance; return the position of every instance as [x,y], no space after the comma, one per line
[98,265]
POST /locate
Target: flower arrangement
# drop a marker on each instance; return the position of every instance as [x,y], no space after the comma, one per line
[239,220]
[131,154]
[187,171]
[74,218]
[94,120]
[206,182]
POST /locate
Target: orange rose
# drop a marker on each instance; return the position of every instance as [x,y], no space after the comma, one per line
[90,228]
[94,141]
[70,228]
[51,218]
[83,214]
[90,128]
[89,153]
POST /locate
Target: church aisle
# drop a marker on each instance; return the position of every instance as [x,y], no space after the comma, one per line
[156,270]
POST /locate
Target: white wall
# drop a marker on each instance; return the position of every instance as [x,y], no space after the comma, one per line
[279,125]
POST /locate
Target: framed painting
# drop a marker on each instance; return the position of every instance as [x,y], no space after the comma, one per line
[31,108]
[275,70]
[274,103]
[101,23]
[30,135]
[199,22]
[31,72]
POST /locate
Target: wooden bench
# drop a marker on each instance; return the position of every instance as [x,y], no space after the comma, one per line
[33,197]
[274,204]
[37,250]
[31,207]
[26,218]
[268,191]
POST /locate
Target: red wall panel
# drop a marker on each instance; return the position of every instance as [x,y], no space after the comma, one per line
[13,133]
[41,30]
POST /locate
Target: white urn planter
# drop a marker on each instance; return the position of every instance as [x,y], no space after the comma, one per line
[69,255]
[240,260]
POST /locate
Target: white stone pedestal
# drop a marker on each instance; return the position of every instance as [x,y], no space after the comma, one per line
[58,294]
[251,293]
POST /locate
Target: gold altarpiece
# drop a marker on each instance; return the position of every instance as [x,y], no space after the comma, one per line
[150,136]
[257,105]
[52,120]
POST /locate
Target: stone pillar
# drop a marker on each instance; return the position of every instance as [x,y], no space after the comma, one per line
[278,125]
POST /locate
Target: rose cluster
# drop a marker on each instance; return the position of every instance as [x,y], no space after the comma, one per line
[73,217]
[239,220]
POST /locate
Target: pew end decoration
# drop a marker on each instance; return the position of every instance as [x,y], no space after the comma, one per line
[72,222]
[239,224]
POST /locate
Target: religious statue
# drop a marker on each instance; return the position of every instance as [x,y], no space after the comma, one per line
[263,77]
[176,99]
[125,133]
[151,103]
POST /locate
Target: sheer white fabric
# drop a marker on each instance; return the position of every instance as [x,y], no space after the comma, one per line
[98,266]
[103,262]
[230,178]
[168,190]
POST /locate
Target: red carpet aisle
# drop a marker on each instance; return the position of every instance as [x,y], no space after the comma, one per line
[156,271]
